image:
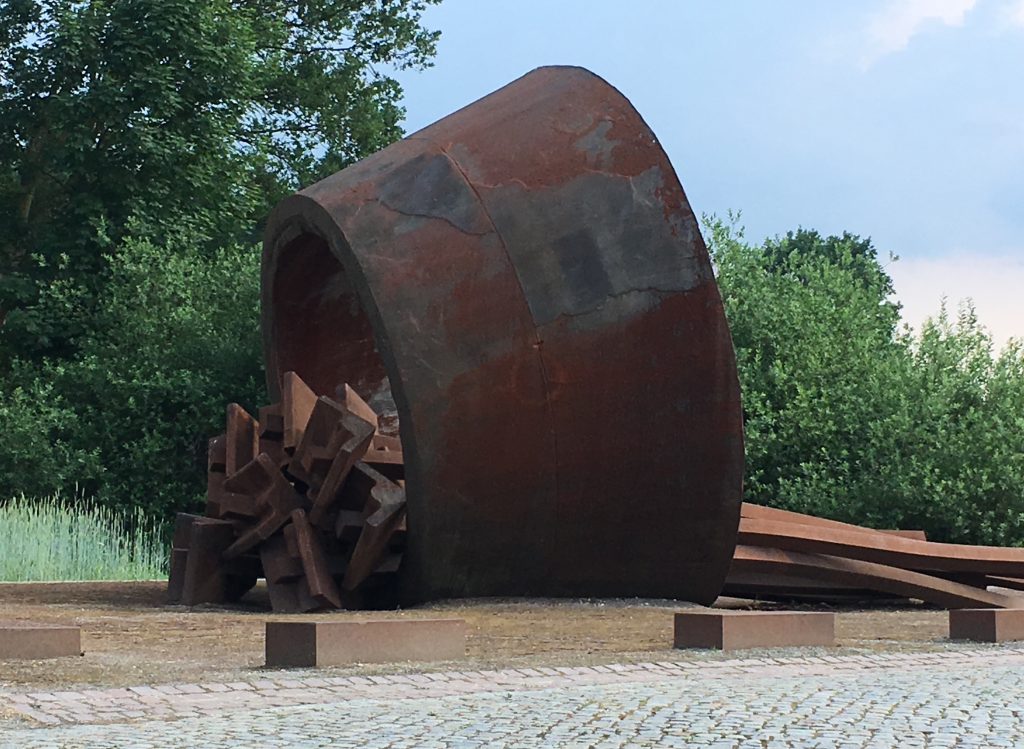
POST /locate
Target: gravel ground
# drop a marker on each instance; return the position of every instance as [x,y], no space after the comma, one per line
[537,673]
[131,637]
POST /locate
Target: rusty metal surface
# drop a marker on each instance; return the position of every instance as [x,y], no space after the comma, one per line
[521,290]
[857,573]
[789,556]
[762,512]
[883,548]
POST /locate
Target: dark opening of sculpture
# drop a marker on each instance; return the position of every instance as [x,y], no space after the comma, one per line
[323,333]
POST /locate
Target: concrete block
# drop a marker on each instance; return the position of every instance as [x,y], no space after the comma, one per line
[738,630]
[986,625]
[29,640]
[303,644]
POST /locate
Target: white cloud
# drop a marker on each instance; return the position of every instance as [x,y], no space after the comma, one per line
[1015,13]
[994,282]
[891,29]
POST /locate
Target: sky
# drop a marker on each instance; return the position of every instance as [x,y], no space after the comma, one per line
[902,120]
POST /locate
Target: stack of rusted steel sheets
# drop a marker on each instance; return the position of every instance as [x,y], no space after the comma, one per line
[788,556]
[310,497]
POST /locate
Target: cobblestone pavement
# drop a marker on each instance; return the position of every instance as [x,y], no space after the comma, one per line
[969,697]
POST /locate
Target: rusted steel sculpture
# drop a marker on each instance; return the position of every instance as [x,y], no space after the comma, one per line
[513,311]
[884,548]
[294,498]
[521,293]
[835,571]
[789,556]
[749,511]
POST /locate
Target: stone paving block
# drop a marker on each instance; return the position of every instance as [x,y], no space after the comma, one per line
[876,713]
[986,625]
[737,630]
[28,640]
[291,644]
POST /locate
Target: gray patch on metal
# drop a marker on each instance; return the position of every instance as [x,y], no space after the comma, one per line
[618,245]
[429,186]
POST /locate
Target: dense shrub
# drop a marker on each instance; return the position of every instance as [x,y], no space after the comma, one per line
[849,417]
[174,338]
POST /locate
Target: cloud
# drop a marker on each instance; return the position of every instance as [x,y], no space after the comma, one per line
[891,29]
[993,282]
[1015,13]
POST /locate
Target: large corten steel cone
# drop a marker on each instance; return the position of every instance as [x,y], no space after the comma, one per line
[522,288]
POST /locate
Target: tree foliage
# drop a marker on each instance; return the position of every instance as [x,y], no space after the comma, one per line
[849,417]
[857,254]
[175,337]
[142,142]
[166,114]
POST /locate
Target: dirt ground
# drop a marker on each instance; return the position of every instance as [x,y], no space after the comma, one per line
[130,636]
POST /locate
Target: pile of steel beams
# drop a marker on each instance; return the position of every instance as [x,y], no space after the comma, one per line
[310,497]
[787,556]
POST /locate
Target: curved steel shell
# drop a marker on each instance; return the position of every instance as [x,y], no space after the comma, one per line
[522,289]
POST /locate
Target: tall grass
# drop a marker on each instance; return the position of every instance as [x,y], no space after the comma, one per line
[53,539]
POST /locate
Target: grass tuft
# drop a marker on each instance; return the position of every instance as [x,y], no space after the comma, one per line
[52,539]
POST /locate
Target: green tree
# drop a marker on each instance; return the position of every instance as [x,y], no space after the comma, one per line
[175,338]
[849,417]
[142,142]
[169,114]
[815,346]
[961,473]
[858,254]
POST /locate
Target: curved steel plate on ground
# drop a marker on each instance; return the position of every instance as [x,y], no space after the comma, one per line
[762,512]
[867,575]
[883,548]
[522,292]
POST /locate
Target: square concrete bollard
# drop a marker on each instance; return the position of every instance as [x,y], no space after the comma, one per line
[28,640]
[986,625]
[738,630]
[295,644]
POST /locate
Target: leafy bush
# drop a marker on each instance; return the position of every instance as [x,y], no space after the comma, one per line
[962,459]
[49,539]
[849,417]
[175,338]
